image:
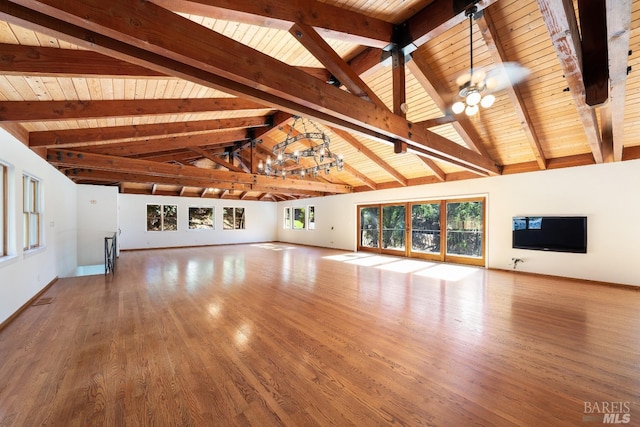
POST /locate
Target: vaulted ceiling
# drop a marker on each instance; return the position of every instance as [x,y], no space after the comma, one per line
[187,97]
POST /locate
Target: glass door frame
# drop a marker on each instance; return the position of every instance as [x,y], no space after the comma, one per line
[407,251]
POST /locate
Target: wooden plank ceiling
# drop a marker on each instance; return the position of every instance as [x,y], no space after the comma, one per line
[186,97]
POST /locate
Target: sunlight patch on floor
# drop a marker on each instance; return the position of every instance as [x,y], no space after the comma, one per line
[433,270]
[406,266]
[272,246]
[452,273]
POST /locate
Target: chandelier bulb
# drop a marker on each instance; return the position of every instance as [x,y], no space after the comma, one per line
[471,110]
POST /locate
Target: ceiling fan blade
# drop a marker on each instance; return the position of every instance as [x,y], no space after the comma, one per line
[503,75]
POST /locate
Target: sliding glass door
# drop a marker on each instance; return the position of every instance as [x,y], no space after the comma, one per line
[442,230]
[369,227]
[465,231]
[425,230]
[393,228]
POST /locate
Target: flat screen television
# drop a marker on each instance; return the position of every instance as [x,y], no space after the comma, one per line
[550,233]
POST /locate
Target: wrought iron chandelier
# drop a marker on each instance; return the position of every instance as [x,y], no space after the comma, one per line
[318,151]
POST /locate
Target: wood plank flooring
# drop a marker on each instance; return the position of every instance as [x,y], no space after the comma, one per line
[268,335]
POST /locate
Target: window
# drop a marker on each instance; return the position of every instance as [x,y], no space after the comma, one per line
[162,217]
[233,218]
[286,223]
[200,218]
[4,199]
[311,211]
[32,217]
[299,218]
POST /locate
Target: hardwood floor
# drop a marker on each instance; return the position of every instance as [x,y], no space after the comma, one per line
[261,335]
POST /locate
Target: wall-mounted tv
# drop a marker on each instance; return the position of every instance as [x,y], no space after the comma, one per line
[550,233]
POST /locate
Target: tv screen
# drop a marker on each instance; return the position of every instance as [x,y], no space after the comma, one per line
[550,233]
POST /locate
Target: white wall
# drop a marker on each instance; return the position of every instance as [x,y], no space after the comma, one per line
[605,193]
[260,218]
[97,213]
[23,275]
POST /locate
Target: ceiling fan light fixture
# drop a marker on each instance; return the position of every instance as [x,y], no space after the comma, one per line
[487,101]
[473,97]
[458,107]
[471,110]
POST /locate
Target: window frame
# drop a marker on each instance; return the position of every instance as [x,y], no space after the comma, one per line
[443,255]
[4,210]
[162,217]
[238,223]
[32,213]
[213,218]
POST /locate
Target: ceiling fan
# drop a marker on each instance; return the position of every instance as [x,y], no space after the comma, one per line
[476,87]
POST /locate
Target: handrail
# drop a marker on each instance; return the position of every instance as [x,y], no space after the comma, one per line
[110,254]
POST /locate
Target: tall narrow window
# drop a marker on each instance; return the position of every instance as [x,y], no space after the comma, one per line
[311,211]
[32,216]
[299,218]
[3,209]
[286,222]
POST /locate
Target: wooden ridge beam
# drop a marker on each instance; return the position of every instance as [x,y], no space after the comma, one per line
[31,111]
[183,48]
[76,159]
[332,21]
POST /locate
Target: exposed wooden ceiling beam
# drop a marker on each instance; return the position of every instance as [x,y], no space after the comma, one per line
[37,60]
[334,22]
[496,50]
[215,159]
[619,31]
[560,19]
[48,61]
[362,177]
[220,138]
[437,171]
[355,143]
[183,48]
[435,19]
[324,53]
[82,160]
[89,136]
[595,50]
[30,111]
